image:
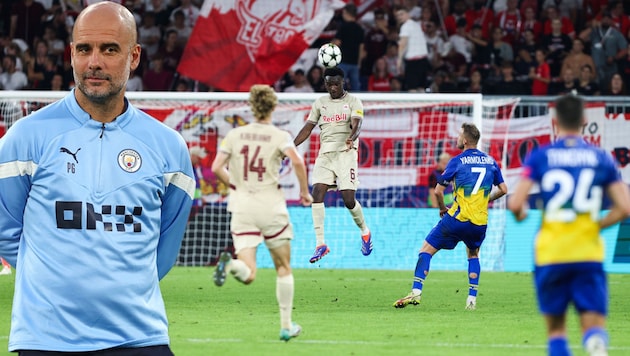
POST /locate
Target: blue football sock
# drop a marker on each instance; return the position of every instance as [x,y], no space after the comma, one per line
[473,283]
[424,260]
[558,346]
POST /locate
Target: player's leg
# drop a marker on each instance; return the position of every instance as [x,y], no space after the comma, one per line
[590,297]
[346,168]
[553,283]
[473,238]
[280,249]
[323,177]
[246,237]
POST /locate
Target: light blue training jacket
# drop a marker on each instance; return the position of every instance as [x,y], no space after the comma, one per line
[92,216]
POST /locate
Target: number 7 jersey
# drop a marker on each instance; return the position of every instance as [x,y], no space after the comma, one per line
[573,176]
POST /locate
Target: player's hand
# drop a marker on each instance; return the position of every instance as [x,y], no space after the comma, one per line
[443,211]
[306,199]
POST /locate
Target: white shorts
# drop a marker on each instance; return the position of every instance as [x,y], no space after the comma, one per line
[337,169]
[250,230]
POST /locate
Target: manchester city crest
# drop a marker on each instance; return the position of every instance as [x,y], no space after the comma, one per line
[129,160]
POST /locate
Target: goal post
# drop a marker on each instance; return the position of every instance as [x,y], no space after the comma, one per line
[402,136]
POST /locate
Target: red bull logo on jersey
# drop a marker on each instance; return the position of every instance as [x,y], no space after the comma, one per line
[335,118]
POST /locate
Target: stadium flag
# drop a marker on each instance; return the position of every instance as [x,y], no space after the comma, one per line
[236,44]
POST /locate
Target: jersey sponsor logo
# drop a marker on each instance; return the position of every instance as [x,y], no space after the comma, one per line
[73,154]
[335,118]
[119,218]
[129,160]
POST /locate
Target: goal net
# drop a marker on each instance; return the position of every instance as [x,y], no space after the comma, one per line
[402,137]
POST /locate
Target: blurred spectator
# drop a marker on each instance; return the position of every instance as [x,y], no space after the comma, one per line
[135,82]
[183,85]
[157,77]
[451,20]
[190,11]
[619,18]
[349,38]
[375,45]
[624,66]
[315,77]
[460,42]
[395,85]
[565,8]
[482,51]
[300,84]
[508,85]
[565,25]
[615,86]
[476,83]
[183,31]
[607,46]
[56,46]
[170,51]
[162,12]
[576,59]
[509,21]
[482,16]
[568,85]
[414,9]
[149,34]
[530,23]
[442,161]
[10,78]
[528,43]
[435,42]
[26,20]
[14,49]
[391,57]
[557,45]
[62,25]
[36,66]
[523,65]
[57,83]
[587,85]
[453,63]
[380,78]
[541,75]
[412,49]
[501,51]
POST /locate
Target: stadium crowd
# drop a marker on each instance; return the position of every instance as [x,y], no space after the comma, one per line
[500,47]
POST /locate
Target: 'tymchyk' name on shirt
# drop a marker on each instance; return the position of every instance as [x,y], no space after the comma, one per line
[571,158]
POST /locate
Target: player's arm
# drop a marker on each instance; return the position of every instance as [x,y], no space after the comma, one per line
[300,171]
[501,190]
[304,133]
[219,167]
[402,48]
[176,204]
[356,130]
[620,196]
[518,200]
[439,198]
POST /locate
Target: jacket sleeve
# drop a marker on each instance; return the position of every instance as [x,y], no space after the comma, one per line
[176,204]
[16,170]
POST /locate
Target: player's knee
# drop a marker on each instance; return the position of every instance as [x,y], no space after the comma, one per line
[350,204]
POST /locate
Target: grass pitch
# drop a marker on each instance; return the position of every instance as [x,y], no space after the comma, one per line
[349,312]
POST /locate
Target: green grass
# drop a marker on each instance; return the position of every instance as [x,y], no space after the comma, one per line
[349,312]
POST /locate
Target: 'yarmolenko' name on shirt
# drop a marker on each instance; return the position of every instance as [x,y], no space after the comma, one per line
[476,160]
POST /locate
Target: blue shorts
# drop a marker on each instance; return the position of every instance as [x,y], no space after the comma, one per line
[583,284]
[450,231]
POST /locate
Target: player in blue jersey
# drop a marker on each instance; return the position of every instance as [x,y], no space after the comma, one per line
[94,200]
[569,252]
[473,174]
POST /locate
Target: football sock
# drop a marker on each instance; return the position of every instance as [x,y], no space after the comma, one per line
[319,212]
[357,216]
[473,270]
[424,260]
[284,295]
[239,270]
[558,346]
[595,339]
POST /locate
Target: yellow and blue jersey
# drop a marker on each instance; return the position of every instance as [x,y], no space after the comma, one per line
[572,176]
[472,173]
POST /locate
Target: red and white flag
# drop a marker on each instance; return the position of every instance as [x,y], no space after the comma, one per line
[238,43]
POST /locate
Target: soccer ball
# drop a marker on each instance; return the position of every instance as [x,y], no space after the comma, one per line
[329,55]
